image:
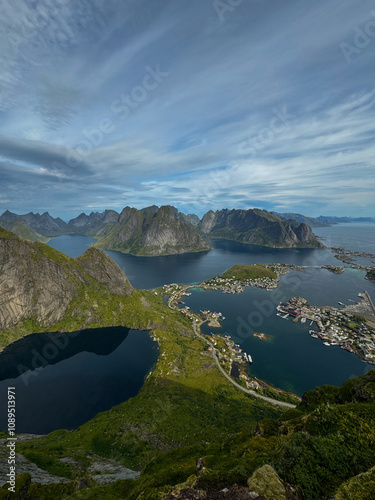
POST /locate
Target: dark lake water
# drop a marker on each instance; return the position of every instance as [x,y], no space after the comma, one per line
[293,360]
[64,379]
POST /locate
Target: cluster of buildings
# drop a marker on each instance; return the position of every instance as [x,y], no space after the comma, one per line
[234,285]
[342,327]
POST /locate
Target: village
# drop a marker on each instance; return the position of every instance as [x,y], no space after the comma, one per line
[350,327]
[237,282]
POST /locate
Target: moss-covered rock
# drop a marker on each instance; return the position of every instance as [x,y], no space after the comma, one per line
[361,487]
[266,482]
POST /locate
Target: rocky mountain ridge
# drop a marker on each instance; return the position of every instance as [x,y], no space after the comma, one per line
[257,227]
[155,231]
[151,232]
[41,284]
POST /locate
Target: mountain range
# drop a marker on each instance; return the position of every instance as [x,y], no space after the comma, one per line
[162,231]
[322,220]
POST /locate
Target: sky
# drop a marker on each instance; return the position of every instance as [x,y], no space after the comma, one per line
[200,104]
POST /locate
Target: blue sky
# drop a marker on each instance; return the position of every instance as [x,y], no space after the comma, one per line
[200,104]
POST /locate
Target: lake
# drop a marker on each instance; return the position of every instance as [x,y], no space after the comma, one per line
[64,379]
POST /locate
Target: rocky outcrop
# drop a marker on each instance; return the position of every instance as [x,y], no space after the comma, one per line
[150,232]
[233,493]
[257,227]
[39,283]
[266,482]
[361,487]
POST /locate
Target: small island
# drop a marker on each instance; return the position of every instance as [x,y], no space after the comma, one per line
[262,336]
[347,259]
[334,269]
[371,275]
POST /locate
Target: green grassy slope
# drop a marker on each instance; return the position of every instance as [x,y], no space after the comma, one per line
[245,272]
[322,447]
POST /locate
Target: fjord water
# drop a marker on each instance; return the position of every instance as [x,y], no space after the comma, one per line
[62,380]
[292,360]
[152,272]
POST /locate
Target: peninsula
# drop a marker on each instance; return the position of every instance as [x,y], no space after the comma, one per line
[351,327]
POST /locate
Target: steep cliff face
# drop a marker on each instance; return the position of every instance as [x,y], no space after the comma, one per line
[257,227]
[151,232]
[40,284]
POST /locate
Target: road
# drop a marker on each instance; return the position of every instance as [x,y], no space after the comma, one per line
[248,391]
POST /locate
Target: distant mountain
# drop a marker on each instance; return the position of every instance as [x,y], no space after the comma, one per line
[44,286]
[326,219]
[310,221]
[151,231]
[322,220]
[33,227]
[93,224]
[21,228]
[191,219]
[257,227]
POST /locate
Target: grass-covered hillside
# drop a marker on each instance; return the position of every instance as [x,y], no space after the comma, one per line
[323,449]
[249,272]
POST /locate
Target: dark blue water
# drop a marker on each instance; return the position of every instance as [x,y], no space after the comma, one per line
[64,380]
[293,360]
[72,245]
[152,272]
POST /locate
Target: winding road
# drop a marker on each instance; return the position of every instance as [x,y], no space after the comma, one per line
[248,391]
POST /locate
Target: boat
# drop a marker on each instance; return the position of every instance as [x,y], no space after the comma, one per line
[303,320]
[326,343]
[284,317]
[341,303]
[249,358]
